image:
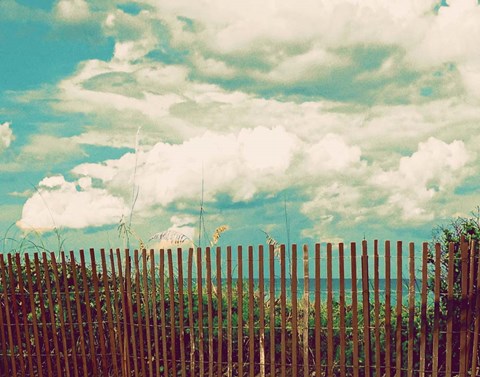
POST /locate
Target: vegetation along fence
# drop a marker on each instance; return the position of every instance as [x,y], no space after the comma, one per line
[375,310]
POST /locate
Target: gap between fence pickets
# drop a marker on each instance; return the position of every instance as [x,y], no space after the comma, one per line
[121,318]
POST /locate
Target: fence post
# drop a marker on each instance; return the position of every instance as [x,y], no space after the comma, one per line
[219,312]
[476,332]
[399,297]
[376,277]
[450,306]
[261,303]
[330,346]
[388,311]
[294,299]
[283,303]
[436,312]
[423,315]
[411,309]
[366,309]
[463,307]
[353,260]
[306,304]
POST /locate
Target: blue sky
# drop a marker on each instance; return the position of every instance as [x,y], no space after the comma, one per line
[336,121]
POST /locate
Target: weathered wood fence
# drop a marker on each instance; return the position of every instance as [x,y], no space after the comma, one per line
[398,311]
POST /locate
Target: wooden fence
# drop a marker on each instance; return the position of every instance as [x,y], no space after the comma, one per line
[386,310]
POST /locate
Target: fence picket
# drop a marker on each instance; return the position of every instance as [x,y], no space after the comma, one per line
[450,307]
[2,334]
[399,298]
[23,303]
[411,309]
[251,330]
[16,317]
[283,314]
[147,302]
[181,316]
[79,318]
[229,313]
[43,316]
[52,316]
[294,291]
[173,336]
[7,317]
[91,335]
[261,305]
[129,294]
[69,313]
[436,313]
[162,312]
[376,290]
[201,364]
[209,311]
[366,309]
[341,271]
[98,307]
[330,371]
[272,310]
[108,305]
[318,324]
[388,311]
[34,317]
[116,319]
[471,300]
[124,336]
[219,313]
[476,332]
[306,312]
[240,312]
[353,256]
[191,322]
[137,305]
[463,307]
[423,312]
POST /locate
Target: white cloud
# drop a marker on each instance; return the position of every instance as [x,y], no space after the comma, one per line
[434,168]
[6,136]
[242,25]
[470,73]
[239,164]
[313,63]
[456,26]
[73,10]
[212,67]
[58,203]
[45,148]
[331,153]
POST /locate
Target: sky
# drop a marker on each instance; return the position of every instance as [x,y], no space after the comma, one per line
[313,121]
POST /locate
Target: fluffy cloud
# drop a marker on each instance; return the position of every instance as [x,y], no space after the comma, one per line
[58,203]
[6,136]
[242,165]
[435,167]
[238,164]
[331,153]
[46,148]
[241,26]
[72,10]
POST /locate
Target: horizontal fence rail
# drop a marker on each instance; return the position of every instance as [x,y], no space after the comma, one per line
[332,310]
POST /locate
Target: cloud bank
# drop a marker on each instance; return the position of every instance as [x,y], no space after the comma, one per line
[365,113]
